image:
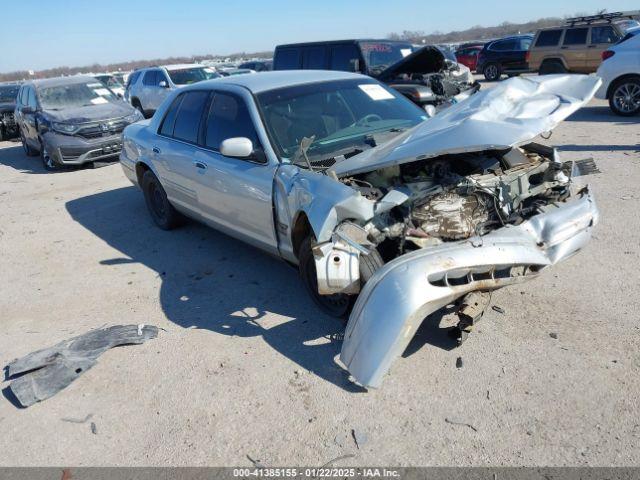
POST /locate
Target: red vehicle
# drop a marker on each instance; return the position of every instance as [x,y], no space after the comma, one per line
[468,56]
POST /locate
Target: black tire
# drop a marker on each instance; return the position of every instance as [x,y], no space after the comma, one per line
[48,162]
[338,305]
[1,134]
[549,67]
[624,99]
[30,152]
[162,212]
[492,72]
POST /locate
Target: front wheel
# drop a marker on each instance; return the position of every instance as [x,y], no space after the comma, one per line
[48,161]
[162,212]
[625,97]
[492,72]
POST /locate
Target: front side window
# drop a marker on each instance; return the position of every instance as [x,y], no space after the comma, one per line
[344,57]
[341,116]
[31,101]
[548,38]
[575,36]
[187,123]
[75,95]
[228,118]
[150,78]
[605,34]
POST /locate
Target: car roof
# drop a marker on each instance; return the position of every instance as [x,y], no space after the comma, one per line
[182,66]
[349,40]
[60,81]
[264,81]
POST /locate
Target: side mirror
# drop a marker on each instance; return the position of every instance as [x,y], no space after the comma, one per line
[163,84]
[237,147]
[28,110]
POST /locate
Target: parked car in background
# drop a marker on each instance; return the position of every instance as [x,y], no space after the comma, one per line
[148,87]
[257,65]
[112,83]
[422,74]
[387,216]
[576,46]
[71,120]
[506,56]
[8,94]
[468,56]
[620,74]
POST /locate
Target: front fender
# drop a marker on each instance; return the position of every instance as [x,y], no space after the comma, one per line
[399,296]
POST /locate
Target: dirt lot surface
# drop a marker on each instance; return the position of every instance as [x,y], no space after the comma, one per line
[246,366]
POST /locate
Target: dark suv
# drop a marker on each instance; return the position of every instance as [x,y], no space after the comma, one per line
[505,56]
[423,75]
[71,120]
[8,94]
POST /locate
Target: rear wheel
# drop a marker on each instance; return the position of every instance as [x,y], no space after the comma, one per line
[492,72]
[162,212]
[552,66]
[625,97]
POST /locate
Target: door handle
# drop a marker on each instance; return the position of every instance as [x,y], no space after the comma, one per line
[200,165]
[156,150]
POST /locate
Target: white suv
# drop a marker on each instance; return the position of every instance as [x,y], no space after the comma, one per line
[620,74]
[148,87]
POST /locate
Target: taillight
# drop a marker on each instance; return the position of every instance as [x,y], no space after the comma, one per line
[607,54]
[527,56]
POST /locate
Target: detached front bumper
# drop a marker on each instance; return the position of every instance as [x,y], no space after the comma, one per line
[396,300]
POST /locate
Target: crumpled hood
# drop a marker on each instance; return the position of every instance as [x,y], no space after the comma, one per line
[510,114]
[426,60]
[92,113]
[7,107]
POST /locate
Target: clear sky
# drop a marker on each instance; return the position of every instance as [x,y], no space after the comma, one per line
[38,34]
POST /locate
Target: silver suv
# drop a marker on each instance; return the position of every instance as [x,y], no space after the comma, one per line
[148,87]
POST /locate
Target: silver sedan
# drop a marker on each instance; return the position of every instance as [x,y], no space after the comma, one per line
[388,215]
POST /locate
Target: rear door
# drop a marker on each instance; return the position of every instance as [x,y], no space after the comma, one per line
[574,48]
[176,149]
[235,194]
[509,54]
[601,37]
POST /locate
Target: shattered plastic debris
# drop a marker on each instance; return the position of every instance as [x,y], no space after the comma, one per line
[50,370]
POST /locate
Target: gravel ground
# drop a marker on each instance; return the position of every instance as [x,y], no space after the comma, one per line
[246,366]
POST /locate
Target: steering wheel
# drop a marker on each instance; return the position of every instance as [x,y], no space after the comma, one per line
[371,117]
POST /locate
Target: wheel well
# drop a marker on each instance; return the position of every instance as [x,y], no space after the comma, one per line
[553,60]
[621,77]
[301,229]
[141,168]
[135,100]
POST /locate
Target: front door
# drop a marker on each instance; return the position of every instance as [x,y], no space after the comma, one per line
[574,48]
[235,194]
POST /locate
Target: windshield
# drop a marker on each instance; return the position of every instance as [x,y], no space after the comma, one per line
[380,55]
[75,95]
[186,76]
[8,93]
[109,81]
[345,116]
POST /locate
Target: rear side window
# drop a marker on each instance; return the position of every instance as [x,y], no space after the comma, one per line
[315,58]
[505,45]
[187,123]
[576,36]
[170,118]
[150,78]
[548,38]
[228,118]
[525,43]
[343,57]
[605,34]
[287,59]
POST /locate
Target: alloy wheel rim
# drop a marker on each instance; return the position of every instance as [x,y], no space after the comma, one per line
[627,97]
[48,161]
[491,71]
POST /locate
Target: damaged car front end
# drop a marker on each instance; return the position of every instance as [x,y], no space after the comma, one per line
[463,203]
